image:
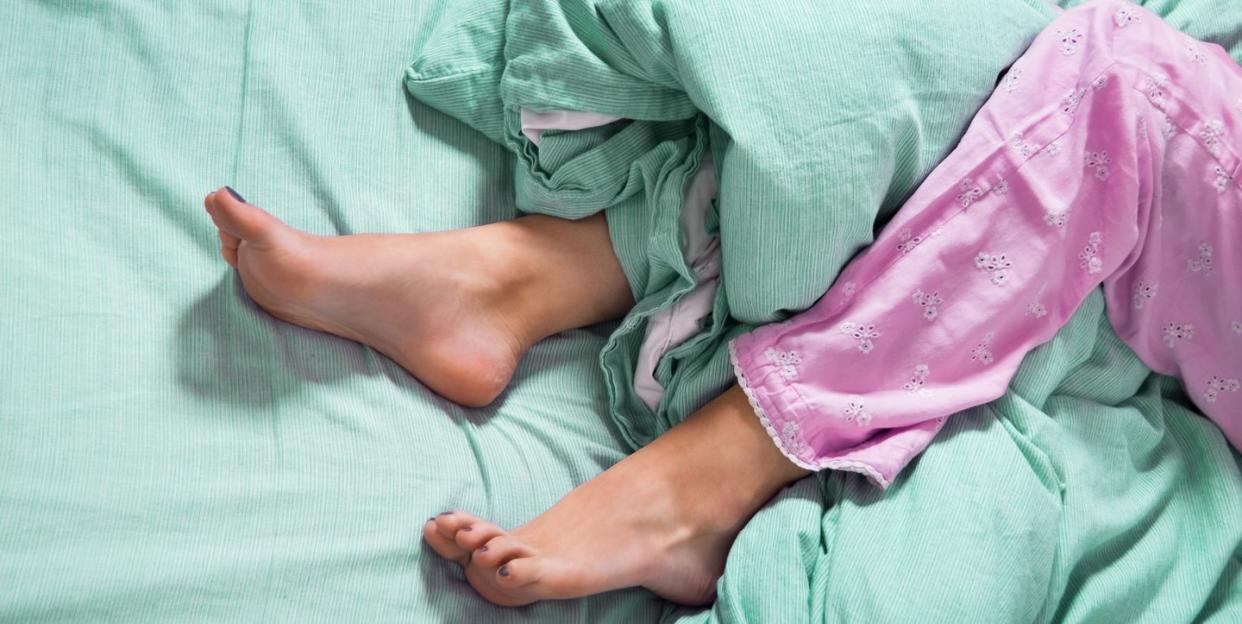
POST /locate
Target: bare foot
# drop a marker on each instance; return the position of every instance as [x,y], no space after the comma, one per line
[442,305]
[659,519]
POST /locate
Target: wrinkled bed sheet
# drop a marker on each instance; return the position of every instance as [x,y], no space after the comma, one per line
[168,452]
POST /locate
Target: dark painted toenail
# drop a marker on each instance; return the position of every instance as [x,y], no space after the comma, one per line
[503,571]
[234,194]
[445,513]
[431,519]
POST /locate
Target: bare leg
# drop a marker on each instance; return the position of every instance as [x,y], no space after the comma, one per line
[456,309]
[663,518]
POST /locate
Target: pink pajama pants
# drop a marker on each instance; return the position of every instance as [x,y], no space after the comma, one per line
[1109,154]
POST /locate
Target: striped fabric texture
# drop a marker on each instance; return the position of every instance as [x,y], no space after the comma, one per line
[170,453]
[821,120]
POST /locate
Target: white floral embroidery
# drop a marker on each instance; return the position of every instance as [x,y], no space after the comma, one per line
[1069,105]
[1036,307]
[1143,292]
[1202,264]
[1100,162]
[1141,128]
[1089,257]
[1069,40]
[918,379]
[1053,148]
[1100,82]
[1126,16]
[930,302]
[855,412]
[864,335]
[997,265]
[1001,188]
[1196,53]
[1211,135]
[969,193]
[1169,128]
[981,353]
[1057,220]
[1222,179]
[786,361]
[1176,332]
[1155,89]
[791,437]
[1011,80]
[1217,385]
[908,241]
[1026,149]
[846,294]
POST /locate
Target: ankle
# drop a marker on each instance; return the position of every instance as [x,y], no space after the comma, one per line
[560,274]
[514,277]
[751,469]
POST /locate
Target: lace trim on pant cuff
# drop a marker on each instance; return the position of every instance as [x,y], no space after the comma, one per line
[847,465]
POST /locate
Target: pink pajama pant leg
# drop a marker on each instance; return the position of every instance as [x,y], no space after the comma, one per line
[1108,155]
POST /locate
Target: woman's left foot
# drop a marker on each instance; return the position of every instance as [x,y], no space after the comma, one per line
[658,519]
[457,309]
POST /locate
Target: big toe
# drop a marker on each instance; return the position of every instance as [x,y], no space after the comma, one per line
[506,572]
[514,582]
[519,573]
[240,219]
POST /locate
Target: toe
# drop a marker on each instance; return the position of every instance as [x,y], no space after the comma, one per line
[242,220]
[228,248]
[477,534]
[228,240]
[503,571]
[466,530]
[230,255]
[450,522]
[500,550]
[519,572]
[444,546]
[450,525]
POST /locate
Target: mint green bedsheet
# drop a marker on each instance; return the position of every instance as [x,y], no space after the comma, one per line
[170,453]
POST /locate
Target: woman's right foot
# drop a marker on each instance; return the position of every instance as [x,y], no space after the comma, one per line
[663,518]
[450,307]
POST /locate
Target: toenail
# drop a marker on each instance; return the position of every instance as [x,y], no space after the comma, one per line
[431,519]
[503,571]
[482,548]
[445,513]
[467,528]
[234,194]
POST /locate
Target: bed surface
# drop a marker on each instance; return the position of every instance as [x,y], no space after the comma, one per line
[169,452]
